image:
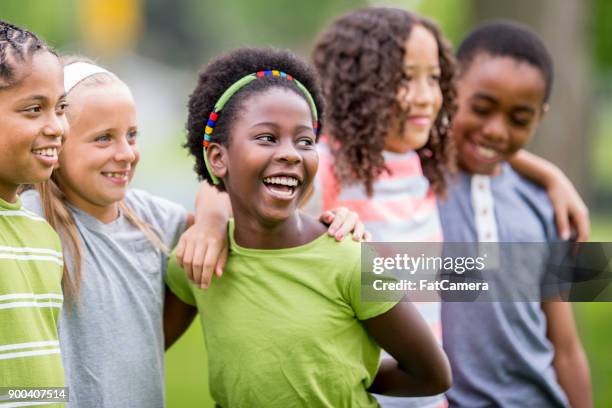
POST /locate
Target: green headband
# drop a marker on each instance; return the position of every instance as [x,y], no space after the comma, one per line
[231,91]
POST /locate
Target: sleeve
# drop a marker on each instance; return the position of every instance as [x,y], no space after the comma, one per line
[169,219]
[360,284]
[177,281]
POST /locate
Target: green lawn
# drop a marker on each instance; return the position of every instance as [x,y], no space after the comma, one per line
[187,383]
[595,327]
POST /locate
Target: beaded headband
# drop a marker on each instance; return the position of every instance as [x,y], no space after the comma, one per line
[231,91]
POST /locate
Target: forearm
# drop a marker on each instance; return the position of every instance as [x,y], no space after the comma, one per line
[393,380]
[211,202]
[573,375]
[535,168]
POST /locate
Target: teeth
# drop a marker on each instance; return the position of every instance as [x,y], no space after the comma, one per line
[49,152]
[486,152]
[116,175]
[285,181]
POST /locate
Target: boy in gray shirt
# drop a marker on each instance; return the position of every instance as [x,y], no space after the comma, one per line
[505,354]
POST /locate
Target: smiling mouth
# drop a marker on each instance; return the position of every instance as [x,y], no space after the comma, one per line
[116,175]
[50,152]
[282,186]
[486,153]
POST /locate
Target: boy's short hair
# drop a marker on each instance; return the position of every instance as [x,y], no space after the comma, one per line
[505,38]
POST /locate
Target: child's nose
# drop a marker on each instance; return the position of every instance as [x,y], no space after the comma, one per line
[423,93]
[55,126]
[495,129]
[125,152]
[288,153]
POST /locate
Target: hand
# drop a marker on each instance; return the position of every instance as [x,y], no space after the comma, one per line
[341,221]
[570,210]
[202,250]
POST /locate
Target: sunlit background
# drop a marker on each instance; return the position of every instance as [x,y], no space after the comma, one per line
[157,47]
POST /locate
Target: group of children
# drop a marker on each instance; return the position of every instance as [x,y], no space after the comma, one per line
[284,322]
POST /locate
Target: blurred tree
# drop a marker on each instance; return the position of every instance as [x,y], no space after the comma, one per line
[109,27]
[564,136]
[53,20]
[601,34]
[191,31]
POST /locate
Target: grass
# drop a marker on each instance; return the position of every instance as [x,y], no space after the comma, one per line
[187,382]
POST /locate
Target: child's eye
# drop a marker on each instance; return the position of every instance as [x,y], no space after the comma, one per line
[480,110]
[132,135]
[61,108]
[520,122]
[305,142]
[103,138]
[435,78]
[266,138]
[33,109]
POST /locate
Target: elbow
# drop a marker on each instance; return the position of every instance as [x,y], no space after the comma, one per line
[442,383]
[441,379]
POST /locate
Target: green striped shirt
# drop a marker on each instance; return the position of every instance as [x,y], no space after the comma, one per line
[31,299]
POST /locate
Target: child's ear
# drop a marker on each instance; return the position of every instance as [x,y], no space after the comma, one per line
[545,108]
[217,158]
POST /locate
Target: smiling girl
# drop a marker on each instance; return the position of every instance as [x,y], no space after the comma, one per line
[32,103]
[285,326]
[114,240]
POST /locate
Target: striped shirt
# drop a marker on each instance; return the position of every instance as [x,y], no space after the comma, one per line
[402,209]
[31,299]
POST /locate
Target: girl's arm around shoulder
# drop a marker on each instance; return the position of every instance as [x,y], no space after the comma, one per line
[420,367]
[570,210]
[570,362]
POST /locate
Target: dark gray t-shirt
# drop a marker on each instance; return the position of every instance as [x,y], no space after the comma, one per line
[112,338]
[499,353]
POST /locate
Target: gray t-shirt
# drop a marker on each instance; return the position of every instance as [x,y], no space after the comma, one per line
[499,353]
[112,338]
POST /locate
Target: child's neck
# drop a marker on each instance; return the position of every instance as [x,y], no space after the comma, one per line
[8,193]
[104,214]
[258,234]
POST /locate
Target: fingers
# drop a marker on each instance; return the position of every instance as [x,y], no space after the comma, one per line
[221,262]
[367,236]
[180,251]
[327,217]
[339,217]
[197,262]
[582,224]
[210,260]
[562,221]
[188,258]
[358,231]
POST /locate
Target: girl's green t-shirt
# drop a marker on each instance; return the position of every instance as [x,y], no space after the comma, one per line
[282,327]
[31,267]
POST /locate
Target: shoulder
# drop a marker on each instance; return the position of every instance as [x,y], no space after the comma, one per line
[151,207]
[535,200]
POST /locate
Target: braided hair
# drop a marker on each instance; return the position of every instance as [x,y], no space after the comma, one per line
[17,45]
